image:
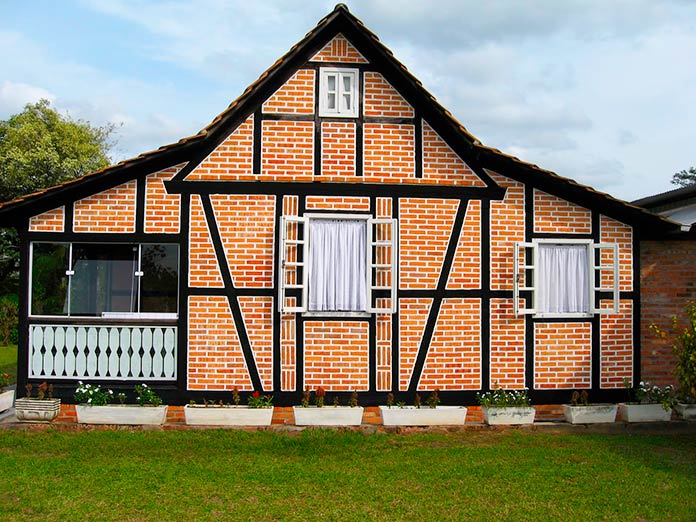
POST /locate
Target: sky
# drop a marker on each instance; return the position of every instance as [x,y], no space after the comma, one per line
[600,91]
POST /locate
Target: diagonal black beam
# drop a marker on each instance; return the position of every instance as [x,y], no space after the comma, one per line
[232,296]
[439,295]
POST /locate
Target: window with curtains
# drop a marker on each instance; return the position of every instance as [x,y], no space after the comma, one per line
[337,264]
[338,92]
[109,280]
[565,278]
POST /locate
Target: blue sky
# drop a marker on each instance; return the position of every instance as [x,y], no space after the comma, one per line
[601,92]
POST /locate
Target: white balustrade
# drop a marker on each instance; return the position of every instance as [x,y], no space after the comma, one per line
[113,352]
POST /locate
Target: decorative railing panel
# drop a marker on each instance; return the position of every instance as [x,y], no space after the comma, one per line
[113,352]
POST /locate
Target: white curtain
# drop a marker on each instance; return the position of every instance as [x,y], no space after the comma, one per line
[337,258]
[563,285]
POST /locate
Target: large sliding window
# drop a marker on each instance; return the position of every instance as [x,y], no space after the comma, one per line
[104,280]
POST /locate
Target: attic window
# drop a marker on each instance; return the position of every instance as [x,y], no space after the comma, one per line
[338,92]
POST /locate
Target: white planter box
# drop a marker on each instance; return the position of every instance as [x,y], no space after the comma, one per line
[508,415]
[6,400]
[644,412]
[686,411]
[36,410]
[121,414]
[227,416]
[423,416]
[590,414]
[328,416]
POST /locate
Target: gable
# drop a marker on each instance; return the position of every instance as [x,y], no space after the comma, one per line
[339,49]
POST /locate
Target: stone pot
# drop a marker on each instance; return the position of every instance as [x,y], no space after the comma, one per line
[227,416]
[634,412]
[423,416]
[590,414]
[129,414]
[495,415]
[36,410]
[328,416]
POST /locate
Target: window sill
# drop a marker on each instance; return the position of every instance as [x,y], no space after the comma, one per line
[336,314]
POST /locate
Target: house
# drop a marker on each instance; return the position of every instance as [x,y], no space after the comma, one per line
[334,226]
[668,279]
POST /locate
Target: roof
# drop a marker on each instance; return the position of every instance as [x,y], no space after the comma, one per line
[193,149]
[668,199]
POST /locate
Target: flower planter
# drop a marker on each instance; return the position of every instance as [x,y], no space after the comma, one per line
[227,416]
[494,415]
[631,412]
[328,416]
[686,411]
[121,414]
[6,400]
[590,414]
[36,410]
[424,416]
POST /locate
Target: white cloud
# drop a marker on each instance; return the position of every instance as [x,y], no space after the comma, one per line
[15,95]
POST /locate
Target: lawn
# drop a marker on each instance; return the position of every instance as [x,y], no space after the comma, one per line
[8,361]
[331,475]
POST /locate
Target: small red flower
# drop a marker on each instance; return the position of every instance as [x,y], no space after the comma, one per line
[255,394]
[321,392]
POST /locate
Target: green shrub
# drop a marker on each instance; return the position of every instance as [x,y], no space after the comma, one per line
[9,307]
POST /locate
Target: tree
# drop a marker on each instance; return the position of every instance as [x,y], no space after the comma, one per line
[684,178]
[40,148]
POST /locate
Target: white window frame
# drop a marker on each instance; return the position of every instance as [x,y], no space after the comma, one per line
[339,73]
[138,273]
[525,263]
[302,245]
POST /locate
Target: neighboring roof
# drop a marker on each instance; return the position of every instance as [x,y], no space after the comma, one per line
[195,148]
[678,205]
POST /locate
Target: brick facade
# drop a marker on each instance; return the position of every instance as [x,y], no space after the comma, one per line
[453,329]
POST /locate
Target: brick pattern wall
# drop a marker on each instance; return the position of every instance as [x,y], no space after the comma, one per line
[51,221]
[667,284]
[616,334]
[287,150]
[329,203]
[203,266]
[383,100]
[454,357]
[232,159]
[162,210]
[384,321]
[466,267]
[247,229]
[338,150]
[339,50]
[507,226]
[442,165]
[296,96]
[336,355]
[288,339]
[388,153]
[413,314]
[258,318]
[110,211]
[425,229]
[215,359]
[611,231]
[562,355]
[507,346]
[555,215]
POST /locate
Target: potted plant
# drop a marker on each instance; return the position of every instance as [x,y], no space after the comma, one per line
[684,348]
[417,415]
[580,411]
[42,408]
[320,415]
[257,412]
[93,406]
[506,407]
[6,397]
[652,404]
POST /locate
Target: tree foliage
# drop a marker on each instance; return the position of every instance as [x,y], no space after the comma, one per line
[40,148]
[684,178]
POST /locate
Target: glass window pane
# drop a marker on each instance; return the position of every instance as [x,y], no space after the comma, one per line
[346,103]
[331,83]
[49,284]
[331,102]
[160,280]
[347,83]
[104,279]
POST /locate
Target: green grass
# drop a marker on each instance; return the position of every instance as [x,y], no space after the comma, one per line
[8,361]
[329,475]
